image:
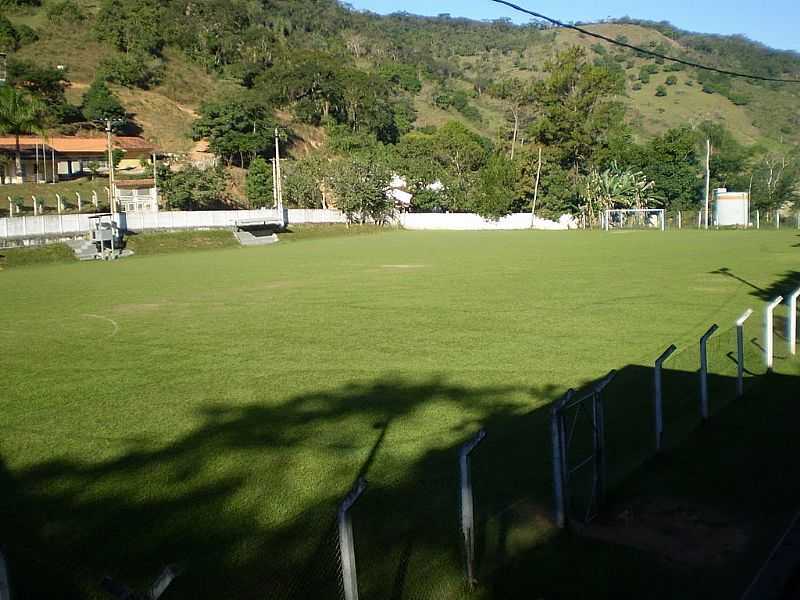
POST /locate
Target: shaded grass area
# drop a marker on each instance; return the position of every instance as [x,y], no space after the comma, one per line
[36,255]
[241,395]
[295,233]
[146,244]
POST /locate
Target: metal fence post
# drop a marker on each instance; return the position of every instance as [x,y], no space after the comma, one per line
[347,549]
[704,370]
[559,464]
[768,327]
[792,322]
[467,506]
[600,436]
[758,219]
[679,219]
[658,405]
[740,352]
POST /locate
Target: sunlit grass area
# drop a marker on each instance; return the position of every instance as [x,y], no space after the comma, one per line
[212,408]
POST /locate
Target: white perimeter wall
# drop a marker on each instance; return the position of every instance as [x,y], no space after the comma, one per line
[474,222]
[59,225]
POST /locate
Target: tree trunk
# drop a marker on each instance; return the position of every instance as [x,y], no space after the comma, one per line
[516,132]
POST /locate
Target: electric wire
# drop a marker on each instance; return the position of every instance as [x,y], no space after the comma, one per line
[652,53]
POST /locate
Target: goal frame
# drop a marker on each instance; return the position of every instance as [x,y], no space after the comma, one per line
[659,211]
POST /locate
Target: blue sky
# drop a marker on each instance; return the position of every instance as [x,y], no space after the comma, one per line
[774,22]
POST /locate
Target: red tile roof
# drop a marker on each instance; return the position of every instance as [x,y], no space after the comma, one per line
[66,144]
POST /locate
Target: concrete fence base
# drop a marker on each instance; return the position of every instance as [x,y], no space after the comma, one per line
[51,228]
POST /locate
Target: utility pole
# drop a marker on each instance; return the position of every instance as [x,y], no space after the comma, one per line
[112,193]
[155,179]
[274,185]
[536,188]
[708,177]
[278,183]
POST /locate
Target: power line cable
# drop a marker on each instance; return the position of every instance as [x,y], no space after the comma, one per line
[682,61]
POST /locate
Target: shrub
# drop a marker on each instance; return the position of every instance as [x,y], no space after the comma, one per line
[132,70]
[661,91]
[193,188]
[64,11]
[672,80]
[259,183]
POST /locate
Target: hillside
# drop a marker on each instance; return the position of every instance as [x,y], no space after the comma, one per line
[451,56]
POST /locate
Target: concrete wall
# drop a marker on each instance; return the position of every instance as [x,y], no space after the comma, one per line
[17,228]
[474,222]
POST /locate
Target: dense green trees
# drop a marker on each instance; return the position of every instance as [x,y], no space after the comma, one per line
[193,189]
[360,186]
[577,113]
[99,103]
[237,130]
[260,183]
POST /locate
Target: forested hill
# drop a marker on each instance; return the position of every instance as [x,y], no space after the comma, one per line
[340,80]
[190,50]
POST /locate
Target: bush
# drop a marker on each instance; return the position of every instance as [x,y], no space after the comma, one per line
[193,188]
[637,86]
[360,186]
[132,70]
[259,183]
[99,103]
[661,91]
[672,80]
[9,40]
[64,11]
[496,188]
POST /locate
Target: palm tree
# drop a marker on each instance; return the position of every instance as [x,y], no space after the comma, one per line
[20,114]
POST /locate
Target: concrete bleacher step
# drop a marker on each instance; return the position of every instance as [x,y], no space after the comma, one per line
[246,238]
[83,249]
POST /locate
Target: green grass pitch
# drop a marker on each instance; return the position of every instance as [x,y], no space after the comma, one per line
[211,408]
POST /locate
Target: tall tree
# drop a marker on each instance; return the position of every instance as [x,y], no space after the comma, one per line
[578,115]
[99,103]
[20,114]
[519,96]
[259,183]
[237,130]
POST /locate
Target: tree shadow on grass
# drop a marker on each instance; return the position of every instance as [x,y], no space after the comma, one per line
[246,502]
[787,283]
[223,499]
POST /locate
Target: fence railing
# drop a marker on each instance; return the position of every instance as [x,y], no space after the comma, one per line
[600,436]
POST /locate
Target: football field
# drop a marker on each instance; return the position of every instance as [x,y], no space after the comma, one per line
[212,408]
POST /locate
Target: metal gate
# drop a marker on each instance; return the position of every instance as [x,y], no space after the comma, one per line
[578,437]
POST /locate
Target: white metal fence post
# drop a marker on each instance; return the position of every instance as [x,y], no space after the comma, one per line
[758,219]
[777,219]
[658,405]
[740,352]
[559,465]
[792,322]
[467,506]
[768,331]
[704,412]
[347,543]
[679,220]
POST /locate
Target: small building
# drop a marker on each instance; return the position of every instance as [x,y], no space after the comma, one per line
[66,157]
[136,195]
[731,208]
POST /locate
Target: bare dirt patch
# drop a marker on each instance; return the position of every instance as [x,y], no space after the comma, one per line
[136,308]
[677,530]
[403,266]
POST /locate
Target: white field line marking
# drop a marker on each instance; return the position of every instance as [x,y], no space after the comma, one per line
[112,321]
